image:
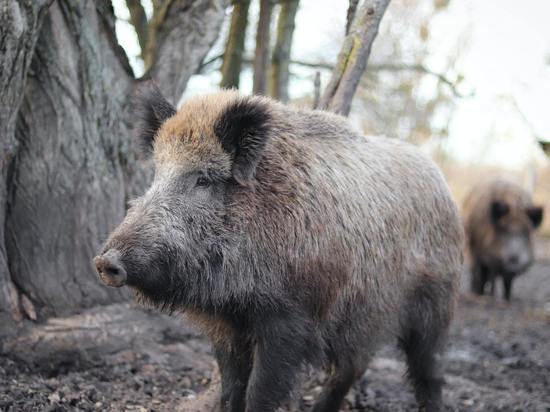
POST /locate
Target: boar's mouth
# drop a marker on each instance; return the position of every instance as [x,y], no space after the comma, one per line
[110,269]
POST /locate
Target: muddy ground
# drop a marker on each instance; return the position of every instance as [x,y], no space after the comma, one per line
[124,358]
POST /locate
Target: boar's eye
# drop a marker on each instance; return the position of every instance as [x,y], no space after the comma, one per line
[499,210]
[202,181]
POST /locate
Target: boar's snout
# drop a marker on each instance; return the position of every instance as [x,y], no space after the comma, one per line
[110,269]
[513,260]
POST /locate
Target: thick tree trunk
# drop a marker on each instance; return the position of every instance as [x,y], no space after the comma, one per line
[67,189]
[20,22]
[233,56]
[76,165]
[353,57]
[183,31]
[278,79]
[261,56]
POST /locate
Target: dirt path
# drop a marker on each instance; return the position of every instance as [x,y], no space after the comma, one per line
[121,357]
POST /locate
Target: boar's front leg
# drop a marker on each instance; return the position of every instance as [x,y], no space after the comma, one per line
[492,283]
[284,344]
[338,385]
[235,363]
[507,283]
[479,278]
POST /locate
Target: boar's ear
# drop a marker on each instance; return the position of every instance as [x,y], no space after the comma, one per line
[535,214]
[498,210]
[152,110]
[243,129]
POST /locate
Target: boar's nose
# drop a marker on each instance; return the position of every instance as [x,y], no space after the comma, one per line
[110,268]
[513,260]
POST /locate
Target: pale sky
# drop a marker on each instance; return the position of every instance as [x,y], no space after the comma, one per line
[507,63]
[504,58]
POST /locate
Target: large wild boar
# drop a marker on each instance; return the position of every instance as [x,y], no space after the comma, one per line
[499,220]
[290,239]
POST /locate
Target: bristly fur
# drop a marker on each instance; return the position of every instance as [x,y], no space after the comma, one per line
[312,245]
[499,220]
[243,130]
[151,111]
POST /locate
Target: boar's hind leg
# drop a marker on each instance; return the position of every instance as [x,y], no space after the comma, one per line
[425,327]
[507,283]
[336,388]
[479,278]
[283,346]
[235,363]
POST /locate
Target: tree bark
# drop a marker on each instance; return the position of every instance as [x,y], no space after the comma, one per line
[352,59]
[350,16]
[233,56]
[76,165]
[20,23]
[183,32]
[261,56]
[67,189]
[278,79]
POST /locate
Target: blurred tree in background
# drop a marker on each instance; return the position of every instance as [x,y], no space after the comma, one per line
[278,75]
[233,56]
[263,47]
[400,94]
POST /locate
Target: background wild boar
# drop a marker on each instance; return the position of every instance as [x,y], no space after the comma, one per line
[290,239]
[499,220]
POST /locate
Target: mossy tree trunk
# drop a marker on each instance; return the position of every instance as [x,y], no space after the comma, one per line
[261,55]
[352,59]
[350,16]
[140,23]
[234,49]
[280,61]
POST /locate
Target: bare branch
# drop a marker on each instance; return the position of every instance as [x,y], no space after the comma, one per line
[313,65]
[213,60]
[543,141]
[248,60]
[156,24]
[105,14]
[353,57]
[374,67]
[421,69]
[157,5]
